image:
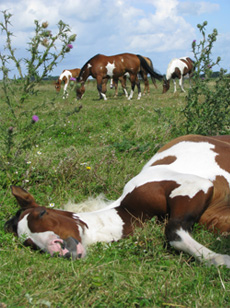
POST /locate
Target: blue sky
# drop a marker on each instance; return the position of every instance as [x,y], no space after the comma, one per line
[159,29]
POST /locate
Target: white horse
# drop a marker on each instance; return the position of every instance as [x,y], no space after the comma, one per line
[178,68]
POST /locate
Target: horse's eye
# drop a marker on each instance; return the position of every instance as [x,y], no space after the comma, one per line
[43,212]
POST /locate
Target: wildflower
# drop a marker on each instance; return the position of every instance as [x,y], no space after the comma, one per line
[68,47]
[28,162]
[88,168]
[72,79]
[35,118]
[39,153]
[52,204]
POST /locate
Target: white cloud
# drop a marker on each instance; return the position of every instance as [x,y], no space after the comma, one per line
[148,27]
[197,8]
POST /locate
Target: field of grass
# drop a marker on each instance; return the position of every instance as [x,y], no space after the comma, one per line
[82,149]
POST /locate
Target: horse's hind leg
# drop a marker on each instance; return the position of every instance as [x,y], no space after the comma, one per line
[185,210]
[138,87]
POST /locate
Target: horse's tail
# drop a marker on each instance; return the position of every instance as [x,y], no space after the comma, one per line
[148,68]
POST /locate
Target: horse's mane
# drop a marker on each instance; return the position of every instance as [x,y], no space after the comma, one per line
[89,205]
[84,66]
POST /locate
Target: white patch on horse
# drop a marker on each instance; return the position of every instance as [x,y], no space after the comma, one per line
[194,169]
[110,67]
[89,65]
[173,64]
[104,225]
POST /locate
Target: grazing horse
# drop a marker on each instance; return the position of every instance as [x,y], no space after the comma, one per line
[65,76]
[187,180]
[143,74]
[178,68]
[105,67]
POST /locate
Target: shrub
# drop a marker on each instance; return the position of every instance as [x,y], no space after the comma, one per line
[207,108]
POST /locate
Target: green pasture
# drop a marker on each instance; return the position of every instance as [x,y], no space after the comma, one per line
[80,149]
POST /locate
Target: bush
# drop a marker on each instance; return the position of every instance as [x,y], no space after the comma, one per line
[207,108]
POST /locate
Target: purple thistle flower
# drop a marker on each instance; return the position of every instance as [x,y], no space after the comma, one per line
[72,79]
[70,46]
[194,41]
[35,118]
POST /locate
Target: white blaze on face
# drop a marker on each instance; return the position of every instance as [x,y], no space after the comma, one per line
[110,67]
[194,169]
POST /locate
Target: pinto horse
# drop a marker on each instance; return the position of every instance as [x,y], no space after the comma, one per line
[143,74]
[178,68]
[187,180]
[65,76]
[104,67]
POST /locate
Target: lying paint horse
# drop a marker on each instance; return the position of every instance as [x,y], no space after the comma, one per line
[105,67]
[143,74]
[65,76]
[187,180]
[178,68]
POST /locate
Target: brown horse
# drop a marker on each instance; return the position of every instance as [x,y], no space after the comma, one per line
[105,67]
[143,74]
[187,181]
[65,76]
[178,68]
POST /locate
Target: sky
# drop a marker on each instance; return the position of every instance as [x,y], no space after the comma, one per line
[159,29]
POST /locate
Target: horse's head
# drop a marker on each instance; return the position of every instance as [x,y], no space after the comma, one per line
[52,231]
[57,85]
[80,90]
[166,84]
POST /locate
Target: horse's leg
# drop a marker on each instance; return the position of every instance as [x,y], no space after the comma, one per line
[101,91]
[181,84]
[65,93]
[123,84]
[185,210]
[133,83]
[138,87]
[174,83]
[115,83]
[111,83]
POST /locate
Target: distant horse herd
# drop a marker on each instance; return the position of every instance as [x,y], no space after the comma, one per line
[119,68]
[186,182]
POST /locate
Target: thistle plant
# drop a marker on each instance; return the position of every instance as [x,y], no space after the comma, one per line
[43,55]
[44,51]
[207,109]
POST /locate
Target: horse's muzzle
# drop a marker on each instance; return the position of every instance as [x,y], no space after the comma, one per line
[74,247]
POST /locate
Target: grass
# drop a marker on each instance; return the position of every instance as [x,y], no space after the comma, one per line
[73,153]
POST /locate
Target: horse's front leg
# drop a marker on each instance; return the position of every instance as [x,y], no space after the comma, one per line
[101,87]
[181,84]
[65,93]
[174,84]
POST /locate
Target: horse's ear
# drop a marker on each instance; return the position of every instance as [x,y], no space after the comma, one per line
[25,199]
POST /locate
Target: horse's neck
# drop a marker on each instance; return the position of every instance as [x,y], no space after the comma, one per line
[86,72]
[109,224]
